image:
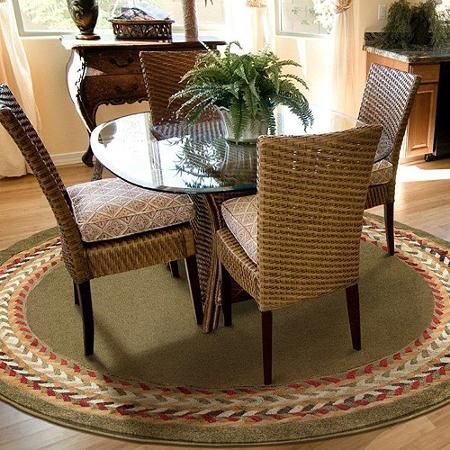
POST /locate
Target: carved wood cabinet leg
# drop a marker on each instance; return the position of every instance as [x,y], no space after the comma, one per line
[88,158]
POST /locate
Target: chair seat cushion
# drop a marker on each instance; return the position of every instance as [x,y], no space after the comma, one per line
[382,173]
[111,209]
[240,216]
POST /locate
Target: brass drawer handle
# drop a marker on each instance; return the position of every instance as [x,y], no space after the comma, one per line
[121,64]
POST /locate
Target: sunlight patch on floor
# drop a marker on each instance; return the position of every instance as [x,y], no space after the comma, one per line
[411,173]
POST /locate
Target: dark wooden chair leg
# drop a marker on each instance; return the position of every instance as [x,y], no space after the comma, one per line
[389,225]
[226,294]
[173,266]
[194,286]
[352,293]
[84,296]
[266,327]
[75,295]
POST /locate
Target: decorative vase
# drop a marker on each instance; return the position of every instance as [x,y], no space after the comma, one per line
[249,135]
[84,13]
[190,19]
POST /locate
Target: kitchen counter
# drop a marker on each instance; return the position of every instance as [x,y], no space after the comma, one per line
[423,56]
[428,134]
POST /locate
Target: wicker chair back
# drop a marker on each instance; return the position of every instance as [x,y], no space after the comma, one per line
[387,100]
[162,74]
[16,123]
[311,196]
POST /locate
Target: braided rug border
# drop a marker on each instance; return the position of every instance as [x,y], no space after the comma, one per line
[27,365]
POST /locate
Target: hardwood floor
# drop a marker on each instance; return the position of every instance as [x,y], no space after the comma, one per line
[423,201]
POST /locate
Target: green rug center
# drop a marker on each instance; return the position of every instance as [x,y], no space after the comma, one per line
[145,327]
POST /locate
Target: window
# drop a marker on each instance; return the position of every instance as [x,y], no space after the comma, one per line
[444,5]
[51,17]
[305,17]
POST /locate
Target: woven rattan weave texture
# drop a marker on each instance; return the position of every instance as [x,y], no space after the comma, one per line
[208,219]
[21,130]
[317,185]
[80,259]
[162,74]
[387,100]
[87,261]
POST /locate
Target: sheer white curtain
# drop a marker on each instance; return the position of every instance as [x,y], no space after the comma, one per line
[259,24]
[344,81]
[248,24]
[14,71]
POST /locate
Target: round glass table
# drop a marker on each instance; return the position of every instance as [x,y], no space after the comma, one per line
[200,162]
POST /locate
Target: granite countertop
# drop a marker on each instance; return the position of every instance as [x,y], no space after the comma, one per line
[422,56]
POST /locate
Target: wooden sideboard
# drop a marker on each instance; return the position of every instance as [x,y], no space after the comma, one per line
[107,71]
[420,136]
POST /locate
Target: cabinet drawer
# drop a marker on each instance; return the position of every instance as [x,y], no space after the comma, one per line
[428,72]
[114,88]
[114,61]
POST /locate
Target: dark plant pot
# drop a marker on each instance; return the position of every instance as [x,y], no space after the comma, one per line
[84,13]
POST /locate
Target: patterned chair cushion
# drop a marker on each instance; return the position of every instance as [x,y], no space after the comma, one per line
[240,216]
[111,209]
[382,172]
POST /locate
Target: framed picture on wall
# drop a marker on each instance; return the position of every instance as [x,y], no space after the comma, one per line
[305,17]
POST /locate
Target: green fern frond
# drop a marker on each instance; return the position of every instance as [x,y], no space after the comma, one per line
[248,85]
[296,78]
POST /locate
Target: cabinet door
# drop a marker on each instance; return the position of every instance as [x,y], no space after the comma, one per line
[422,121]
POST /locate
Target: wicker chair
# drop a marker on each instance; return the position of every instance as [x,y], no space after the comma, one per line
[299,237]
[92,250]
[388,99]
[163,72]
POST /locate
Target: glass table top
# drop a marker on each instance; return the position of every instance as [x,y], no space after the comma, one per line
[193,162]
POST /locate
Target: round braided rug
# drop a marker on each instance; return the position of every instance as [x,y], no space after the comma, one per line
[42,373]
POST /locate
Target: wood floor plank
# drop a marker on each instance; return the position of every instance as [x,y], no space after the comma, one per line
[87,441]
[422,201]
[42,434]
[10,416]
[22,430]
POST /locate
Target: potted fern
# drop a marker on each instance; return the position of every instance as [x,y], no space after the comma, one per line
[415,26]
[246,88]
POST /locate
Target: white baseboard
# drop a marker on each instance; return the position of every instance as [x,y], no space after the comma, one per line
[67,159]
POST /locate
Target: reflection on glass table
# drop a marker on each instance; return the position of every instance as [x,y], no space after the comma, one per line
[198,160]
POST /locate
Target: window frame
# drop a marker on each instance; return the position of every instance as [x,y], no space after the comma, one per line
[279,29]
[102,31]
